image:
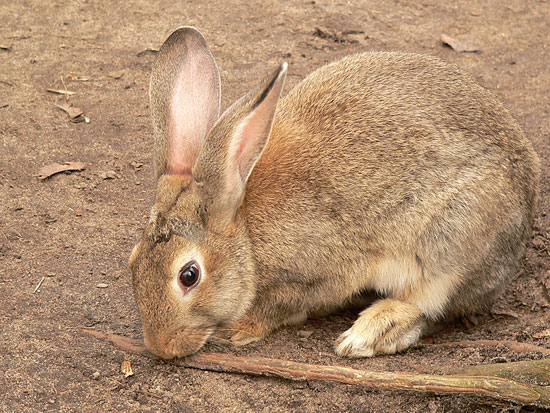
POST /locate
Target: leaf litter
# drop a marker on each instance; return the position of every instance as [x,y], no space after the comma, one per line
[61,92]
[459,45]
[116,75]
[126,368]
[76,114]
[55,168]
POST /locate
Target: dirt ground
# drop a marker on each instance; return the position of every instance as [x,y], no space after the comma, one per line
[76,230]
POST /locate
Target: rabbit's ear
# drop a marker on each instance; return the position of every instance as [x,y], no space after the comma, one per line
[185,100]
[236,142]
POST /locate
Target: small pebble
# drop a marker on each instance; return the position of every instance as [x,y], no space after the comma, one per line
[96,375]
[305,334]
[109,175]
[102,285]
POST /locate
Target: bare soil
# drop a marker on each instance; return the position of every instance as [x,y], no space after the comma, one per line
[76,229]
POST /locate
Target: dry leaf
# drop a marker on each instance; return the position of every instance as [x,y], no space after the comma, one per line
[55,168]
[545,280]
[506,312]
[542,334]
[109,175]
[147,51]
[126,368]
[459,45]
[80,78]
[75,114]
[61,92]
[116,75]
[305,333]
[136,164]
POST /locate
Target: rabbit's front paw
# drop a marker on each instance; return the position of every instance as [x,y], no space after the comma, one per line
[244,337]
[244,332]
[237,334]
[385,327]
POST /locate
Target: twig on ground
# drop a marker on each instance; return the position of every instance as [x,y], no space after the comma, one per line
[39,284]
[512,345]
[480,386]
[527,371]
[124,343]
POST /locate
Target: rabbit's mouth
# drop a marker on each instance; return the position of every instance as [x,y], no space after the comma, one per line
[180,343]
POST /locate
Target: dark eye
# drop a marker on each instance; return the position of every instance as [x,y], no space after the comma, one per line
[190,274]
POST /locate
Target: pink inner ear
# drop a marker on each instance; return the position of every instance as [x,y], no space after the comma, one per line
[250,131]
[183,139]
[251,134]
[194,107]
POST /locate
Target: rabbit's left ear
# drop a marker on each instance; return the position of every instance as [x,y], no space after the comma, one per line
[185,100]
[236,142]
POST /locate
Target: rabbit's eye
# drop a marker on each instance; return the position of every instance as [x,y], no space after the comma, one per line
[190,274]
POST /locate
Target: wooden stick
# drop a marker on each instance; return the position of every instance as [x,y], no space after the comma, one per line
[512,345]
[527,371]
[39,284]
[124,343]
[479,386]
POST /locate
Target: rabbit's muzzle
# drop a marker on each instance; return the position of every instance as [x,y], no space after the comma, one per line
[180,343]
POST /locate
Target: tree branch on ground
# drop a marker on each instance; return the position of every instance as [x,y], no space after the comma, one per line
[516,346]
[479,385]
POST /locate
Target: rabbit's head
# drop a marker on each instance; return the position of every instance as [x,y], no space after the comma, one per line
[193,268]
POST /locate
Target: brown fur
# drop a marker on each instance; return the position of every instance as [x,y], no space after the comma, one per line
[387,171]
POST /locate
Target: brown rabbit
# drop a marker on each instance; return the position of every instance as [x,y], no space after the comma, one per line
[391,172]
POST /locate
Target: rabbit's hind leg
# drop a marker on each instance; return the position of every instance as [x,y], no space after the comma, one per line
[387,326]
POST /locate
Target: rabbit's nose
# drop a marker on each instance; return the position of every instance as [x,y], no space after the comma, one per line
[159,346]
[180,343]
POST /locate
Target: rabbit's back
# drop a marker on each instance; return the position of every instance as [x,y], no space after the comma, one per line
[398,109]
[393,156]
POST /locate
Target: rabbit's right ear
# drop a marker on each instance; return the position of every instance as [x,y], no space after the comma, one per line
[185,100]
[235,144]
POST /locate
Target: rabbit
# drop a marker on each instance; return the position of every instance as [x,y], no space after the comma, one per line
[383,171]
